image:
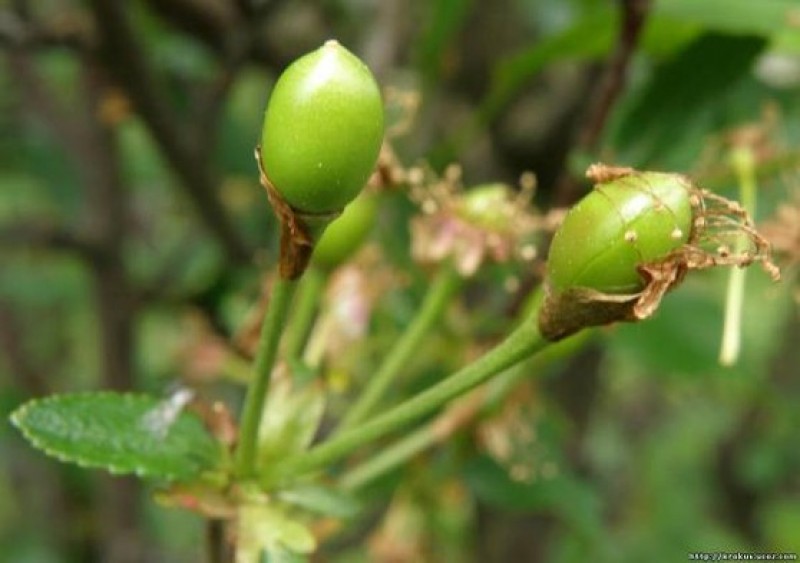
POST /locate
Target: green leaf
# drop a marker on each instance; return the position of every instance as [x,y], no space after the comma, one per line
[321,500]
[119,433]
[445,18]
[562,494]
[765,17]
[291,419]
[590,37]
[681,93]
[268,528]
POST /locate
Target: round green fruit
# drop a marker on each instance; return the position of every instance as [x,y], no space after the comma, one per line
[323,130]
[347,232]
[629,221]
[486,206]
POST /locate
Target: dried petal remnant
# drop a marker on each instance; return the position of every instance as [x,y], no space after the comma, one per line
[486,223]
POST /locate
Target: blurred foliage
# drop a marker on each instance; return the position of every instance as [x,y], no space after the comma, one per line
[637,446]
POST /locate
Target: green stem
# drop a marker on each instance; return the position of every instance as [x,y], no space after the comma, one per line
[436,300]
[438,430]
[743,163]
[274,321]
[309,294]
[522,343]
[391,457]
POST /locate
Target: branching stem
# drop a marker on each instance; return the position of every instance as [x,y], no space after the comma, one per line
[439,295]
[271,330]
[522,343]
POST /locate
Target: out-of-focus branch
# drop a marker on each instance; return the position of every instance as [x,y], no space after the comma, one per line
[229,28]
[71,32]
[44,235]
[80,136]
[11,344]
[91,144]
[40,101]
[612,83]
[107,204]
[382,44]
[214,22]
[609,87]
[208,106]
[235,34]
[125,61]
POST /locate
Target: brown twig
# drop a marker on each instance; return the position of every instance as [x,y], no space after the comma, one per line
[608,90]
[26,375]
[213,22]
[37,97]
[43,234]
[106,203]
[91,144]
[611,84]
[299,231]
[17,33]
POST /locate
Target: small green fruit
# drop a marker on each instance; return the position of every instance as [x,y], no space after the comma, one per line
[629,221]
[487,206]
[323,130]
[633,239]
[347,232]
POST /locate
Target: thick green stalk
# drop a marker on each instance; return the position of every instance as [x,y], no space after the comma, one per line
[522,343]
[271,330]
[309,294]
[436,300]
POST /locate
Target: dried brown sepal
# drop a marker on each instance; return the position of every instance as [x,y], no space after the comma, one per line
[600,173]
[299,230]
[723,234]
[206,501]
[565,313]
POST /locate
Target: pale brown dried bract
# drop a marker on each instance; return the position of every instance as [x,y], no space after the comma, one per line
[299,231]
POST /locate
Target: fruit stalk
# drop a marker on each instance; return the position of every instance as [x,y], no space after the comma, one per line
[436,300]
[271,330]
[522,343]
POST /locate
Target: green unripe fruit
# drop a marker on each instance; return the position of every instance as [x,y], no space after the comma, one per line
[347,232]
[323,130]
[486,206]
[629,221]
[633,239]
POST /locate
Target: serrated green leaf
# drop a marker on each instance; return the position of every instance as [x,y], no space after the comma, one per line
[119,433]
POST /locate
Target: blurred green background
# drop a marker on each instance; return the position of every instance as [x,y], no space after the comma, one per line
[132,226]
